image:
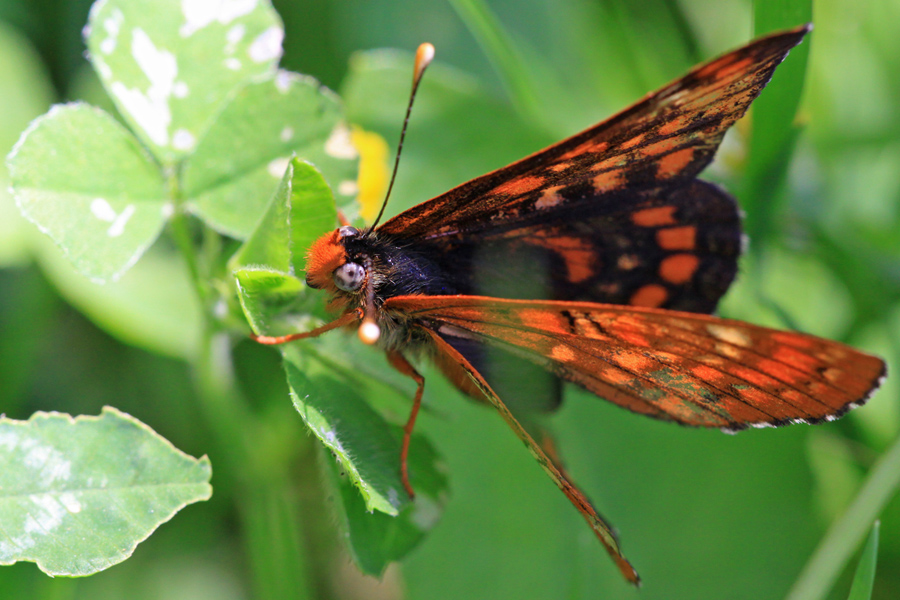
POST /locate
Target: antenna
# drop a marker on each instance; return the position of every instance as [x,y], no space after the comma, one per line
[423,58]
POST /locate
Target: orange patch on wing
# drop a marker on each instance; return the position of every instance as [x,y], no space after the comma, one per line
[616,376]
[722,68]
[519,185]
[671,126]
[562,353]
[584,148]
[560,167]
[678,268]
[738,65]
[662,146]
[549,198]
[632,142]
[677,238]
[635,362]
[530,317]
[577,254]
[609,180]
[654,217]
[674,163]
[651,295]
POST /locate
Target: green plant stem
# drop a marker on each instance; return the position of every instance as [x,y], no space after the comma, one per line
[269,521]
[270,529]
[181,234]
[845,534]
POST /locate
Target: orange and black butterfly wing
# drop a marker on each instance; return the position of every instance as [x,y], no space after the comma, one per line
[689,368]
[672,246]
[612,214]
[693,369]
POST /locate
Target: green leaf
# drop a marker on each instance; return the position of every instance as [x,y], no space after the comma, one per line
[85,181]
[313,212]
[274,303]
[169,64]
[300,212]
[270,243]
[864,579]
[363,442]
[78,495]
[239,162]
[377,539]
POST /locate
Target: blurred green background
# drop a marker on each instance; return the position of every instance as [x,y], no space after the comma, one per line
[701,514]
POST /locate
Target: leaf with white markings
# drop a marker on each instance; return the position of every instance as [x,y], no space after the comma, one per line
[78,495]
[197,82]
[241,159]
[169,64]
[86,182]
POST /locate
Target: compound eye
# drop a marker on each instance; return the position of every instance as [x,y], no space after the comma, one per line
[347,231]
[349,277]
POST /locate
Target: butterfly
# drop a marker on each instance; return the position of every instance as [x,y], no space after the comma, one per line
[595,261]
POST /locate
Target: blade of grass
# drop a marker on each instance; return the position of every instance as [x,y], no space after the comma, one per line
[845,534]
[501,51]
[774,131]
[864,578]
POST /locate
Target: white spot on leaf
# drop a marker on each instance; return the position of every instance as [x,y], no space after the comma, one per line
[286,134]
[232,64]
[151,109]
[118,226]
[200,13]
[108,45]
[267,45]
[283,81]
[111,25]
[47,517]
[70,502]
[180,89]
[8,440]
[102,210]
[183,139]
[234,35]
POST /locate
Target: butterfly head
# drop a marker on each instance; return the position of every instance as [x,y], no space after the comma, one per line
[330,267]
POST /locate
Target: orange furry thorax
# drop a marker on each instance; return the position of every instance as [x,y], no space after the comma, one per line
[323,257]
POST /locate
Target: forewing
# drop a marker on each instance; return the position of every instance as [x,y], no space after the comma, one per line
[674,246]
[671,134]
[692,369]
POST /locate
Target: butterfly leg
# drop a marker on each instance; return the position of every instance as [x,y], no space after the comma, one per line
[399,362]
